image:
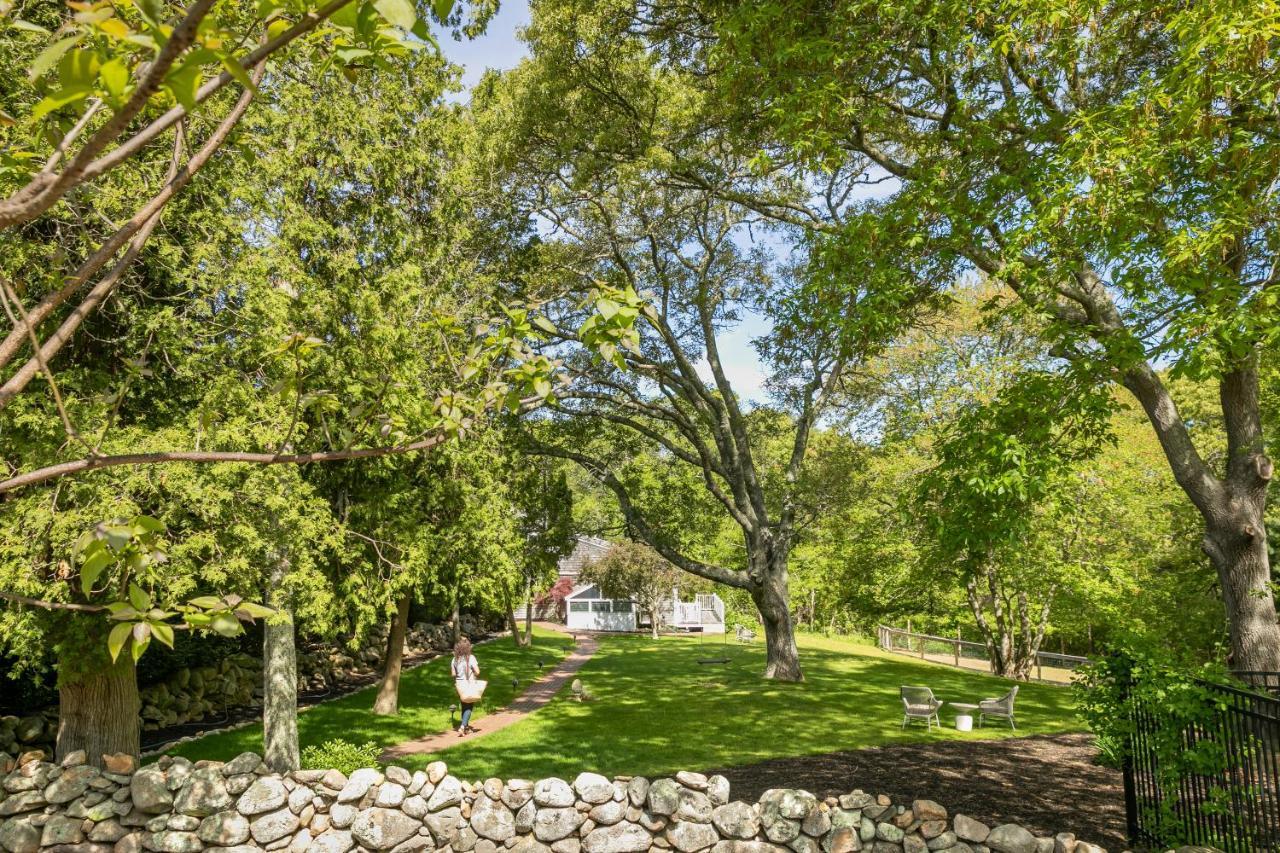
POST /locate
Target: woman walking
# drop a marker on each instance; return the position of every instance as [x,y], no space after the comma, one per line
[466,669]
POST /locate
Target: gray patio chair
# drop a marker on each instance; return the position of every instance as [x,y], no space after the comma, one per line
[1001,708]
[919,703]
[745,635]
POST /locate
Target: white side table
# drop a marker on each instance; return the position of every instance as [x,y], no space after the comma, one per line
[964,716]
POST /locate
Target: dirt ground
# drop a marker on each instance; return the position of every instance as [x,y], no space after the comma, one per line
[1046,783]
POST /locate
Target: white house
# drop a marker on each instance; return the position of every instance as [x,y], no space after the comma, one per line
[588,610]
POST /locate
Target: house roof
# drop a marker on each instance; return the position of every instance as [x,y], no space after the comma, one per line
[588,550]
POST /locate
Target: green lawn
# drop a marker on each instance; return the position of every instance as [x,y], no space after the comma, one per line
[657,710]
[425,695]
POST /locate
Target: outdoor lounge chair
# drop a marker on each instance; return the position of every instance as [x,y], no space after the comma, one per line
[745,635]
[1001,708]
[919,703]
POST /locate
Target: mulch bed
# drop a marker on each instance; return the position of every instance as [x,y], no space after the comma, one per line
[1048,784]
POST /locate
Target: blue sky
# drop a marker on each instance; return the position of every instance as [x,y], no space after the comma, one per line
[500,48]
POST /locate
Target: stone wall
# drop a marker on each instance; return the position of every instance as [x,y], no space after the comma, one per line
[175,806]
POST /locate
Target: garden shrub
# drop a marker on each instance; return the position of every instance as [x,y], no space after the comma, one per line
[1172,698]
[340,755]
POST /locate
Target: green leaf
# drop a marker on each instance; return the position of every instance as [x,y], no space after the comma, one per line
[19,24]
[398,13]
[147,524]
[442,8]
[57,101]
[139,599]
[254,611]
[92,569]
[78,68]
[140,646]
[226,625]
[163,632]
[114,76]
[184,82]
[117,638]
[50,55]
[206,602]
[236,70]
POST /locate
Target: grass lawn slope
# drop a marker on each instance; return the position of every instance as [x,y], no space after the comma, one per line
[425,695]
[657,710]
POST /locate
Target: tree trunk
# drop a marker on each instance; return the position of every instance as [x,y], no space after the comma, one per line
[387,702]
[782,661]
[1232,507]
[516,636]
[528,613]
[99,712]
[280,681]
[1244,573]
[456,621]
[653,621]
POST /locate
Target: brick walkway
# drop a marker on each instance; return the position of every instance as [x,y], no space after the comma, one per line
[538,694]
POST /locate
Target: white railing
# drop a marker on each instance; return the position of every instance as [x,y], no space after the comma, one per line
[964,653]
[688,613]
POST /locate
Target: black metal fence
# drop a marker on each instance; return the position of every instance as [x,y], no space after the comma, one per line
[1228,795]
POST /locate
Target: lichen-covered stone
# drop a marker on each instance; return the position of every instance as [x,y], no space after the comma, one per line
[553,793]
[266,794]
[150,792]
[608,813]
[224,829]
[333,841]
[492,820]
[617,838]
[19,836]
[689,837]
[638,790]
[447,794]
[245,762]
[1011,838]
[174,841]
[593,788]
[552,824]
[273,826]
[383,829]
[73,782]
[664,797]
[358,784]
[969,829]
[204,794]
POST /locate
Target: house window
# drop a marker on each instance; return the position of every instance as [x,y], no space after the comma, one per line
[600,606]
[579,606]
[622,607]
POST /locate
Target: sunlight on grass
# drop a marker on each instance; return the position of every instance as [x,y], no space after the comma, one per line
[657,710]
[426,692]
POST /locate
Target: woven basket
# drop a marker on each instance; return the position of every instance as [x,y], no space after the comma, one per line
[471,691]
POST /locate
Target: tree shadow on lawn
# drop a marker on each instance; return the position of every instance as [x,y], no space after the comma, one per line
[426,692]
[657,710]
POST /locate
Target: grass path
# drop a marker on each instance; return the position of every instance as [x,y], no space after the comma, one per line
[426,692]
[538,694]
[658,710]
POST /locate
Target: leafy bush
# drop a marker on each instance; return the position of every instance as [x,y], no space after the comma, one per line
[341,755]
[1172,698]
[1110,751]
